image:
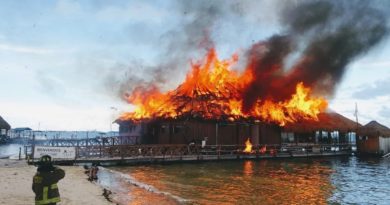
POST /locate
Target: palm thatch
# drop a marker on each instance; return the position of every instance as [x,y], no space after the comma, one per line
[4,124]
[374,128]
[327,121]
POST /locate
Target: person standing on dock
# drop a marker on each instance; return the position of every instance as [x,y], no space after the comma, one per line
[45,182]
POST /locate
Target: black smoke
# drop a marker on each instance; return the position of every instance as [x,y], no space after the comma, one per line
[327,34]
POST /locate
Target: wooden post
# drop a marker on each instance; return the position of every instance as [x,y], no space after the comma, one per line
[255,134]
[77,152]
[218,151]
[25,152]
[33,147]
[216,133]
[100,150]
[86,142]
[121,148]
[238,134]
[171,130]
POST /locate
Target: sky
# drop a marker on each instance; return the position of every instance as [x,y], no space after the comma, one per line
[65,63]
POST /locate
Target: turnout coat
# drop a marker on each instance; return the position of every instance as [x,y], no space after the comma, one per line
[45,185]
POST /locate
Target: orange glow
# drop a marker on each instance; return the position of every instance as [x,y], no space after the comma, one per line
[248,167]
[300,106]
[248,146]
[263,149]
[212,90]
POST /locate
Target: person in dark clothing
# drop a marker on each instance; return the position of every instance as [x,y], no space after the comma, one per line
[45,182]
[93,170]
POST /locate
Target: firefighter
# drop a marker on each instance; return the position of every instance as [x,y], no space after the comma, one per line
[45,182]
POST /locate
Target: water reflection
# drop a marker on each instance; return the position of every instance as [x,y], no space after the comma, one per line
[248,168]
[361,181]
[348,180]
[241,182]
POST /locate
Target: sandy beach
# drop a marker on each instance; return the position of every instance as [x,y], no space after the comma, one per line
[16,180]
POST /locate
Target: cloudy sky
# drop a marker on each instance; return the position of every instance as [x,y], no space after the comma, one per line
[63,64]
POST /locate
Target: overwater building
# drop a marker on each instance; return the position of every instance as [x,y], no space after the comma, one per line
[374,138]
[329,128]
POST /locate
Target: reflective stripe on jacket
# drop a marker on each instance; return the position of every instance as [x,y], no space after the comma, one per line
[45,186]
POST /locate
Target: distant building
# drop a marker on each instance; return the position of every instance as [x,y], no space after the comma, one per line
[4,130]
[28,133]
[21,132]
[374,138]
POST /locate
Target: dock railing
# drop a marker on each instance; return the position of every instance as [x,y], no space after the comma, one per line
[386,155]
[182,151]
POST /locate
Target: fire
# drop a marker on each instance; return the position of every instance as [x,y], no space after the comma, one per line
[212,90]
[299,106]
[248,146]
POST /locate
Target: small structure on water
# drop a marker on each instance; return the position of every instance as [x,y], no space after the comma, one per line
[330,128]
[374,138]
[4,130]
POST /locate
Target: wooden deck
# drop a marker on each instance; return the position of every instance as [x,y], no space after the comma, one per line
[143,154]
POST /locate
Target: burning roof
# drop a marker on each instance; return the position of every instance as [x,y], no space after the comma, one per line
[213,91]
[322,36]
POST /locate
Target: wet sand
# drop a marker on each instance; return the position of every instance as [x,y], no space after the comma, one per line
[127,190]
[140,196]
[16,181]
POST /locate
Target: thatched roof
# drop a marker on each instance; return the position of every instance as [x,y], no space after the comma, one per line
[327,121]
[374,128]
[4,124]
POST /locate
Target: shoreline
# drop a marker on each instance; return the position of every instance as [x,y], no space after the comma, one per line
[16,181]
[75,189]
[125,188]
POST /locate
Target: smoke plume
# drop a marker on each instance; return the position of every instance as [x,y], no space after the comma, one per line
[188,40]
[330,34]
[325,35]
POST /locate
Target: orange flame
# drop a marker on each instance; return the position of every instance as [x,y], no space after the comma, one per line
[212,90]
[248,146]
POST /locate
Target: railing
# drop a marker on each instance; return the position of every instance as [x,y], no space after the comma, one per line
[124,151]
[386,155]
[170,150]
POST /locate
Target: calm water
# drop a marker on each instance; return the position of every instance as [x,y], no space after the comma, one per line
[349,180]
[10,149]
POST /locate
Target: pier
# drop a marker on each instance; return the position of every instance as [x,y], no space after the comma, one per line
[116,154]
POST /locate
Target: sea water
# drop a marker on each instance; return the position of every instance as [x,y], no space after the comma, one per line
[344,180]
[7,150]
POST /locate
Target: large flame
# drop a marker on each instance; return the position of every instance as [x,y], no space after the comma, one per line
[212,90]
